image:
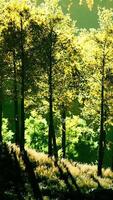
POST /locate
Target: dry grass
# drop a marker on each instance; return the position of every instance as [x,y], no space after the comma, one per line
[84,174]
[50,177]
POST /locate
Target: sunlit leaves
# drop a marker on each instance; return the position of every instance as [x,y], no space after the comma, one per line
[89,3]
[96,46]
[105,18]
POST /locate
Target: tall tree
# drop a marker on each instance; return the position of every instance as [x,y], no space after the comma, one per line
[59,33]
[16,102]
[99,62]
[1,99]
[22,83]
[15,33]
[102,118]
[52,148]
[3,75]
[63,116]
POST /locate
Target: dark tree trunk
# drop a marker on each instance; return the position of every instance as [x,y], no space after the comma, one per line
[63,115]
[111,154]
[16,114]
[1,97]
[52,149]
[51,127]
[102,131]
[31,176]
[22,89]
[112,158]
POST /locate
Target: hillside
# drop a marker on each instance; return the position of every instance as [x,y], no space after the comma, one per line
[56,94]
[31,175]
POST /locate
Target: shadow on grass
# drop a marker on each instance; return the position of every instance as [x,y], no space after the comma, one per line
[31,176]
[16,182]
[73,190]
[11,184]
[13,179]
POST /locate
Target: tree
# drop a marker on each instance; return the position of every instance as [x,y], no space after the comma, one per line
[100,62]
[3,69]
[1,92]
[57,48]
[22,83]
[10,36]
[15,34]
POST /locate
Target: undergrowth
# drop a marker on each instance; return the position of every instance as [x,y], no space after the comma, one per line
[56,179]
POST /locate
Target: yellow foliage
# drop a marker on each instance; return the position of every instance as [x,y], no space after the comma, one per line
[108,173]
[89,3]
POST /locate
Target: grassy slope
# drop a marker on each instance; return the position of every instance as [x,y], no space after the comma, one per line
[55,180]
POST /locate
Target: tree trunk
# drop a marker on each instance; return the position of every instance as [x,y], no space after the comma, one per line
[102,131]
[51,127]
[16,114]
[111,147]
[51,138]
[22,89]
[112,157]
[63,131]
[1,110]
[31,176]
[52,149]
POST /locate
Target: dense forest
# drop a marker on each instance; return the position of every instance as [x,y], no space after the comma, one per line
[56,93]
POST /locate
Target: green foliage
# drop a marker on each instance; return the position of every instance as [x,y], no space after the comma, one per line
[50,39]
[99,45]
[7,134]
[81,140]
[36,133]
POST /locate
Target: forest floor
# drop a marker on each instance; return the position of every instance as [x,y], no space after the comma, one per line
[29,175]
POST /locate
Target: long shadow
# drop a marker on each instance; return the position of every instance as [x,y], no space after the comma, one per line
[31,176]
[10,178]
[73,194]
[97,181]
[18,179]
[72,178]
[99,193]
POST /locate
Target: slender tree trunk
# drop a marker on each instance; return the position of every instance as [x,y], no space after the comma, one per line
[51,127]
[31,176]
[1,97]
[112,158]
[22,89]
[52,148]
[102,131]
[16,114]
[51,137]
[111,154]
[63,131]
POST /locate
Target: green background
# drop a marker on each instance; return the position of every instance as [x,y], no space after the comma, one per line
[85,18]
